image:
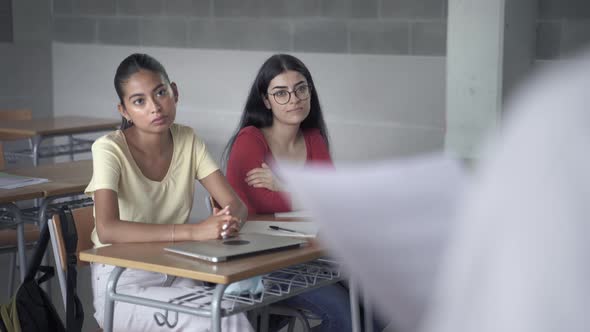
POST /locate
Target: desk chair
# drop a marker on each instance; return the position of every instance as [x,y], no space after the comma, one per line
[14,114]
[8,244]
[8,236]
[84,220]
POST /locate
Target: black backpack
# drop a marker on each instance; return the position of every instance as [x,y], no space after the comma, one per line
[31,309]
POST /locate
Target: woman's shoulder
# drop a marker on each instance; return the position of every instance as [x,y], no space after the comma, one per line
[317,145]
[185,135]
[313,134]
[312,131]
[181,130]
[249,138]
[112,140]
[251,133]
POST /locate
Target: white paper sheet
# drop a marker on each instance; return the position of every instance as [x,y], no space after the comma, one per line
[293,214]
[10,181]
[303,228]
[388,221]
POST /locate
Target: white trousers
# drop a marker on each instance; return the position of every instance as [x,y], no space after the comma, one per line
[131,317]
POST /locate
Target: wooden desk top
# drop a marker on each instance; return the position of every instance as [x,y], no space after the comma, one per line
[55,126]
[64,178]
[153,257]
[21,194]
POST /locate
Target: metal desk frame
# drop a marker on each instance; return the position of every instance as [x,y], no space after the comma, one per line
[35,151]
[278,286]
[37,130]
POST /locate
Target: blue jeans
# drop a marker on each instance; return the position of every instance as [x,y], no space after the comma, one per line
[330,303]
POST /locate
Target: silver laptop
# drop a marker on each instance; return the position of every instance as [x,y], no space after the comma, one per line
[244,244]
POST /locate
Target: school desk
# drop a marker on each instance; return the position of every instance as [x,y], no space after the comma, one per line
[310,271]
[353,288]
[36,130]
[8,197]
[65,179]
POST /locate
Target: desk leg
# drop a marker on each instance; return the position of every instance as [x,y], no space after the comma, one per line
[216,307]
[109,302]
[354,305]
[35,142]
[20,237]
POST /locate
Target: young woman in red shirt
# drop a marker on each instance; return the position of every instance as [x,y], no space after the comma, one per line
[283,120]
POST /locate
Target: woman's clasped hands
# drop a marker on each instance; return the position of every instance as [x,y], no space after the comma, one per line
[221,224]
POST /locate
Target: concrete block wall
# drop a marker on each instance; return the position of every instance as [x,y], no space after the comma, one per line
[25,56]
[401,27]
[5,21]
[563,27]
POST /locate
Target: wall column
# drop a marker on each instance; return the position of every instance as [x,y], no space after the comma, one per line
[490,47]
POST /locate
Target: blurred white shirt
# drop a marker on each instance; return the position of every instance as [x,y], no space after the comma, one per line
[511,253]
[519,257]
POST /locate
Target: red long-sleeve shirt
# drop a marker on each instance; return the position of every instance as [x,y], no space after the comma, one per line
[249,151]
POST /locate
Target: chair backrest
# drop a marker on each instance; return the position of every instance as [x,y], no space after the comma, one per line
[84,220]
[16,114]
[12,114]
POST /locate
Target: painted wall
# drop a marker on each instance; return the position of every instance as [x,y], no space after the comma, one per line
[337,26]
[376,107]
[563,28]
[490,50]
[25,56]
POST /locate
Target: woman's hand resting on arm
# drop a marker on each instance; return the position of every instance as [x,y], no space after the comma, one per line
[263,177]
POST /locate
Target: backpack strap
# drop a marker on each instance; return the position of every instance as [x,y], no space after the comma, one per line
[74,310]
[35,262]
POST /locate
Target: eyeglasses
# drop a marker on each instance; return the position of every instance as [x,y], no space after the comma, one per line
[282,97]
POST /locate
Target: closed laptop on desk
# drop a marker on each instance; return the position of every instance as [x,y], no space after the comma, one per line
[221,250]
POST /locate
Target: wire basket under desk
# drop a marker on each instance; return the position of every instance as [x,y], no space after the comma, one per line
[278,285]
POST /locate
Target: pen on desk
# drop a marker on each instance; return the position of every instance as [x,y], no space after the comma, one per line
[277,228]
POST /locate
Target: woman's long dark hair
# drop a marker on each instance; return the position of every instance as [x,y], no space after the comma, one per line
[131,65]
[255,112]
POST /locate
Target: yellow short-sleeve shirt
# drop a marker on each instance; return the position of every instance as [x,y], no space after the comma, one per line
[141,199]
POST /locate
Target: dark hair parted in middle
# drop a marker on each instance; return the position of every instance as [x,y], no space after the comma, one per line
[131,65]
[255,112]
